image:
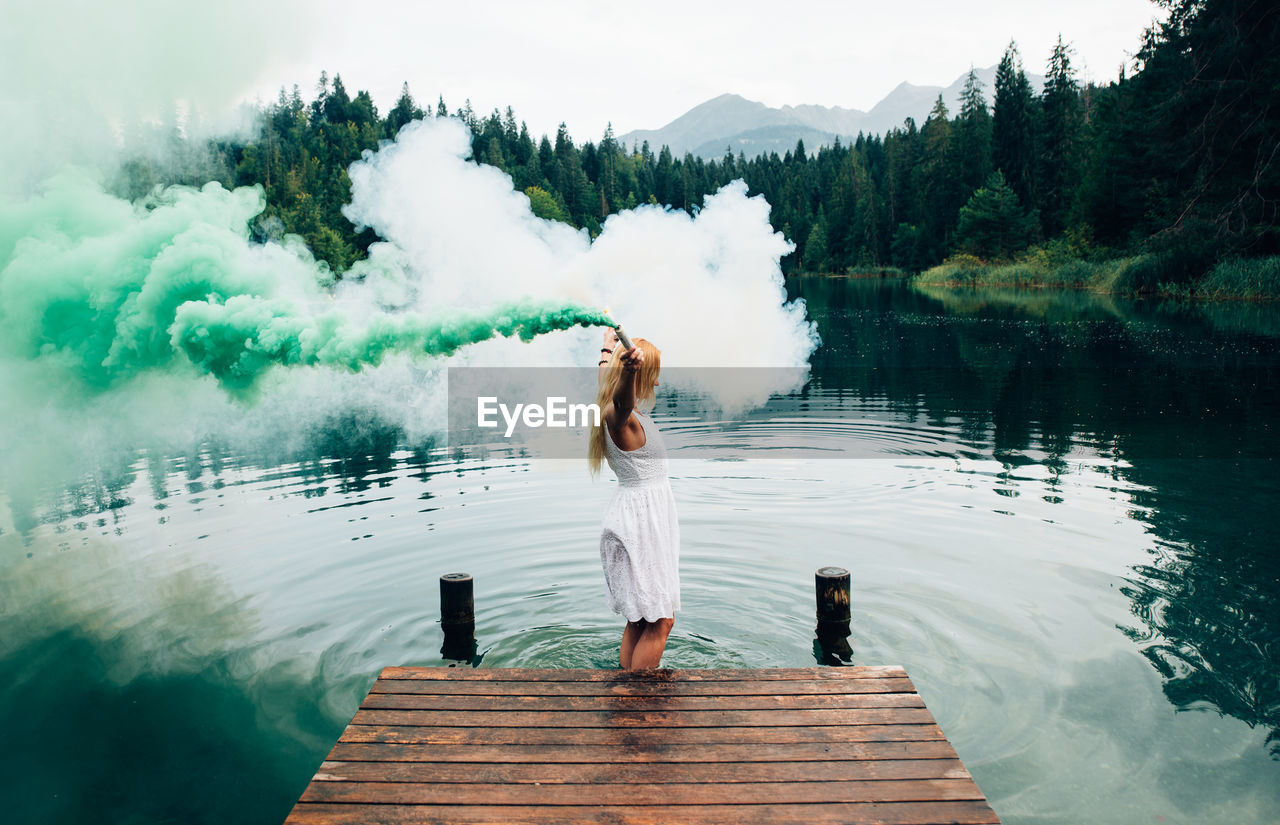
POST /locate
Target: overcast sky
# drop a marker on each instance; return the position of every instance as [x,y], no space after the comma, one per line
[640,65]
[65,63]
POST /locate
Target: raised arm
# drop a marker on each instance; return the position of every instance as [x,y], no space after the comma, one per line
[624,397]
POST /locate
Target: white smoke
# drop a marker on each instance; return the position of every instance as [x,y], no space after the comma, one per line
[707,290]
[83,80]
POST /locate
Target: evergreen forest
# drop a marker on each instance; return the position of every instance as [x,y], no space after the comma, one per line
[1160,177]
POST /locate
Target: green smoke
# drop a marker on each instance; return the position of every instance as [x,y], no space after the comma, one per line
[108,289]
[235,341]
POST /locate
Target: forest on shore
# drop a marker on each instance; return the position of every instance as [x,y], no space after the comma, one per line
[1165,180]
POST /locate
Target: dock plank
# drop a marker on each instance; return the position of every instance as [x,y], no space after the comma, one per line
[552,754]
[651,773]
[399,701]
[642,719]
[634,793]
[651,737]
[648,677]
[796,745]
[758,687]
[864,813]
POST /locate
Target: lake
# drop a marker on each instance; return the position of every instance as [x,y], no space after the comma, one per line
[1059,512]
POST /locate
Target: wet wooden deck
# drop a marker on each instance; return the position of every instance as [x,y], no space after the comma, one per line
[782,746]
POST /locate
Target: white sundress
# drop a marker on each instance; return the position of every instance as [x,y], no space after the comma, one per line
[640,536]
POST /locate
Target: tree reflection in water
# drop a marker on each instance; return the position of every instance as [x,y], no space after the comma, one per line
[1185,398]
[1208,602]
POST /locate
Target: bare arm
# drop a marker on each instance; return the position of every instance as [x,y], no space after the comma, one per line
[624,398]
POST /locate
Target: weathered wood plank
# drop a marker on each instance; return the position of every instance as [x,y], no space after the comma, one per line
[642,719]
[401,701]
[702,747]
[640,736]
[709,687]
[636,794]
[645,774]
[643,676]
[900,813]
[800,752]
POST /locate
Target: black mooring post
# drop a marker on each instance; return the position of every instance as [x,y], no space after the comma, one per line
[458,616]
[832,585]
[457,599]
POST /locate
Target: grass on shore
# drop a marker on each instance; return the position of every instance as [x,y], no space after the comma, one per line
[861,272]
[1254,279]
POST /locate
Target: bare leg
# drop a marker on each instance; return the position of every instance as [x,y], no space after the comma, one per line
[648,649]
[630,635]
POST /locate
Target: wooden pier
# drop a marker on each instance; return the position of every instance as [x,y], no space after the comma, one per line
[801,746]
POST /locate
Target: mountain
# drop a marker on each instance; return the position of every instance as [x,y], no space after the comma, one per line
[723,115]
[763,140]
[752,128]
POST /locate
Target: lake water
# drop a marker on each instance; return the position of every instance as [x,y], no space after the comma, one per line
[1061,520]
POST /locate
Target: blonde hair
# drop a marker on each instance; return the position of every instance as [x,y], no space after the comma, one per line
[646,379]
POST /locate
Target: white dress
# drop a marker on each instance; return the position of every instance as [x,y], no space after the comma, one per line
[640,536]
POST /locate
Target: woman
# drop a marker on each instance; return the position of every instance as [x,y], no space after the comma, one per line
[640,537]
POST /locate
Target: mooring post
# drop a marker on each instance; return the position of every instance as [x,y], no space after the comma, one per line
[458,616]
[457,599]
[832,645]
[833,594]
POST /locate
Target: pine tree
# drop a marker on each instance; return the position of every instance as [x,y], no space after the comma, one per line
[815,248]
[865,228]
[404,112]
[337,102]
[902,153]
[493,154]
[973,136]
[993,223]
[937,178]
[547,162]
[362,111]
[907,249]
[608,156]
[510,130]
[729,166]
[1012,125]
[1059,163]
[664,177]
[1207,99]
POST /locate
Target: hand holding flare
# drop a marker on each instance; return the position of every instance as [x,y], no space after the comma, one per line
[622,336]
[632,358]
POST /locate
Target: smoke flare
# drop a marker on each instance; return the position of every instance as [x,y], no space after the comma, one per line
[237,340]
[110,289]
[125,324]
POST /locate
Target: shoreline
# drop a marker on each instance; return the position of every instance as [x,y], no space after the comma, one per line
[855,276]
[1191,297]
[1253,281]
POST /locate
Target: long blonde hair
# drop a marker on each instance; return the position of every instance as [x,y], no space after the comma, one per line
[646,380]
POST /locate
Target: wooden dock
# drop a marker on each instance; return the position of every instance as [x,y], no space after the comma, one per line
[801,746]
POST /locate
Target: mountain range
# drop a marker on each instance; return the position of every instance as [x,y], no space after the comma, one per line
[735,123]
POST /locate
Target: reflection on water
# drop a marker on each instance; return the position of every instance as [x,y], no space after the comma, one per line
[121,685]
[1150,383]
[1062,525]
[1207,602]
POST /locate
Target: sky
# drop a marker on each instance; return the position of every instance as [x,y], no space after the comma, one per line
[640,66]
[73,65]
